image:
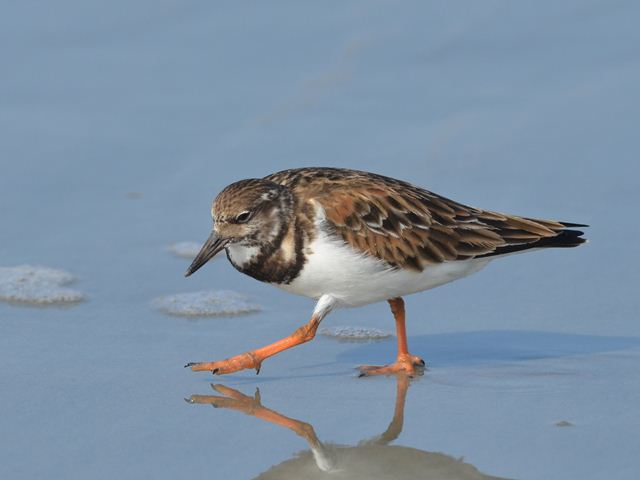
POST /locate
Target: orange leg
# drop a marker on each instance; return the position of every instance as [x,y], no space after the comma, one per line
[405,363]
[254,358]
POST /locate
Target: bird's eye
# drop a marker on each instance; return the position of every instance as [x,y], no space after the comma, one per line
[243,217]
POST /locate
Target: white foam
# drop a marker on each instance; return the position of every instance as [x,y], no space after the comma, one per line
[36,285]
[355,334]
[185,249]
[212,303]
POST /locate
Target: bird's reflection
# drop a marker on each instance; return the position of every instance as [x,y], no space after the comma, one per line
[374,458]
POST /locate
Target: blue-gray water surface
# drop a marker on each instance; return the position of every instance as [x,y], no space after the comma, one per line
[120,121]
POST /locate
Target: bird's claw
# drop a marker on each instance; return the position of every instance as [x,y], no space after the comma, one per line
[409,365]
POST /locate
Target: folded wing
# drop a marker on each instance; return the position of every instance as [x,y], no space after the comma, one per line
[413,228]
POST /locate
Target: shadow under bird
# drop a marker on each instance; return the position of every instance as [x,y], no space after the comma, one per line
[348,238]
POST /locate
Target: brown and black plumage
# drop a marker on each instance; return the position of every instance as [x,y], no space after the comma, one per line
[348,238]
[410,227]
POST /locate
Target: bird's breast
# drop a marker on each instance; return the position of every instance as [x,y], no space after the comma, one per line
[354,278]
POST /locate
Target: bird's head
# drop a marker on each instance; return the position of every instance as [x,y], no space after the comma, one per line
[249,212]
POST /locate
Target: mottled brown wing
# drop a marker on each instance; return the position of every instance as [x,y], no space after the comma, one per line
[412,228]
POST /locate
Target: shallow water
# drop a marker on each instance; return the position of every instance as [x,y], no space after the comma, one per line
[121,121]
[185,249]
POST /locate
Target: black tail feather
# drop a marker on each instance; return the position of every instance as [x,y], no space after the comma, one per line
[575,225]
[564,239]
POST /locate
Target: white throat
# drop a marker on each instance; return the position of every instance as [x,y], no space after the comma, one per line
[242,255]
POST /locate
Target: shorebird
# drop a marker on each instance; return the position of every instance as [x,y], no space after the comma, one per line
[348,238]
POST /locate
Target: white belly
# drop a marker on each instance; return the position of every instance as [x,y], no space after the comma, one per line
[354,279]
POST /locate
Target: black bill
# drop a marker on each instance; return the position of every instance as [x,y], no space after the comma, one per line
[210,249]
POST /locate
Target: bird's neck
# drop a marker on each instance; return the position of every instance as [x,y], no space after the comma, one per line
[279,259]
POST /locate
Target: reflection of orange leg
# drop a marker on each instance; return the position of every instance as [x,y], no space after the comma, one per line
[405,363]
[395,427]
[235,400]
[254,358]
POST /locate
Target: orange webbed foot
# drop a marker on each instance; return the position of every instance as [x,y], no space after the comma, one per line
[410,365]
[230,365]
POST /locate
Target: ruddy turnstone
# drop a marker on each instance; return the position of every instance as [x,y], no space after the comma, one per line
[348,238]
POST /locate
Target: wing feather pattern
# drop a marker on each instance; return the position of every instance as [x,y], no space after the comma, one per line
[409,227]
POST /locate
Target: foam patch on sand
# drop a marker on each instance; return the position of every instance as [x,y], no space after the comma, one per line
[355,334]
[211,303]
[36,286]
[185,249]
